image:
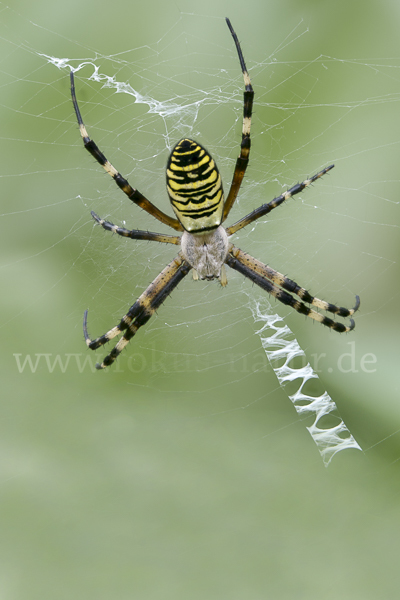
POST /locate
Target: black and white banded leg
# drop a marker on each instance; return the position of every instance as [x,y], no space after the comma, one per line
[243,159]
[141,311]
[269,280]
[266,208]
[137,234]
[122,183]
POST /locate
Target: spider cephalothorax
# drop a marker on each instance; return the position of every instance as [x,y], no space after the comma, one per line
[195,190]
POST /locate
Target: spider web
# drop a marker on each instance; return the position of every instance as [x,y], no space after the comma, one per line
[136,105]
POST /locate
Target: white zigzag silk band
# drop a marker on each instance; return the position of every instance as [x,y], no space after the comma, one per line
[279,343]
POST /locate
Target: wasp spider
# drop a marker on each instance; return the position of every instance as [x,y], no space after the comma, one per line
[195,190]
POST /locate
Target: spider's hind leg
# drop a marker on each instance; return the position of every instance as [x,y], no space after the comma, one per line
[243,158]
[122,183]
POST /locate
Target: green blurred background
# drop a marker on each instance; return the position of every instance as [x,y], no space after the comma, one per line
[185,472]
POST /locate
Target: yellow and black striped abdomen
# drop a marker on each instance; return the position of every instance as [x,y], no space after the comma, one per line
[194,187]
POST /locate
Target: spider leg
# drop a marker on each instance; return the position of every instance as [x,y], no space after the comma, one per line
[269,280]
[266,208]
[122,183]
[141,311]
[243,159]
[135,234]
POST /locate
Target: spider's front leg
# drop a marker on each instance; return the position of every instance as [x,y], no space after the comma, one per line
[279,285]
[141,311]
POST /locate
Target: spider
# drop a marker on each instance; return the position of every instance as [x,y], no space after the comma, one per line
[195,191]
